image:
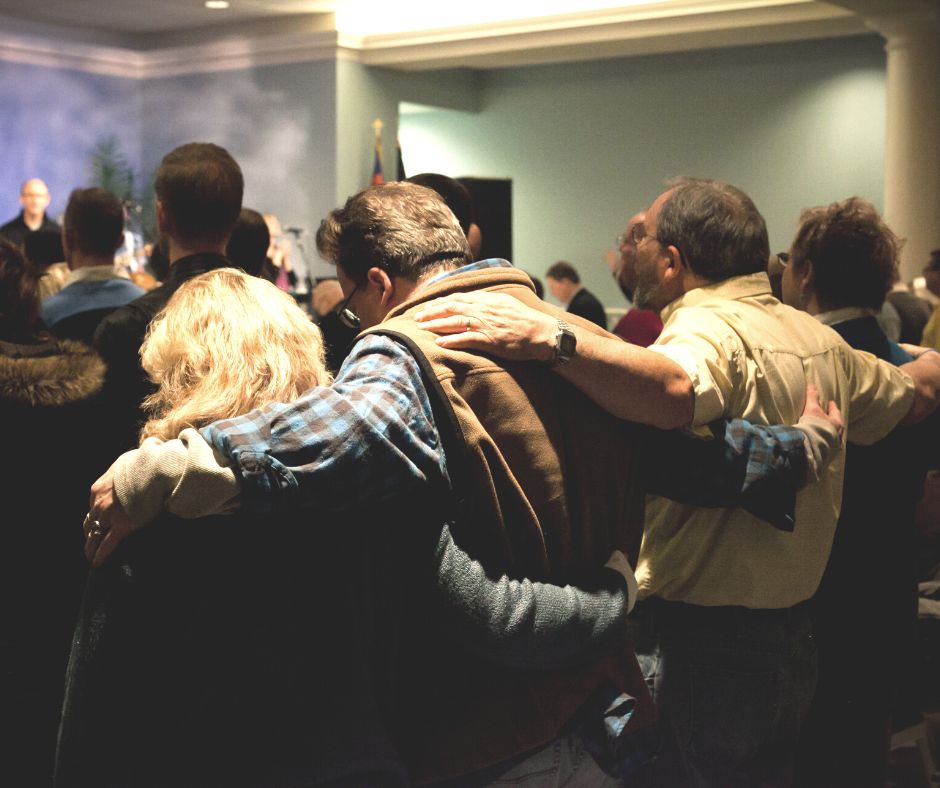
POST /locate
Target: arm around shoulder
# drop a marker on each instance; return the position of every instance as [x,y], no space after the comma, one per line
[924,370]
[185,477]
[631,382]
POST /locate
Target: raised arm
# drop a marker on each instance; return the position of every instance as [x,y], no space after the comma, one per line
[629,382]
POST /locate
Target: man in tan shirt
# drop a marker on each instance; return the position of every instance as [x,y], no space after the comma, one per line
[723,632]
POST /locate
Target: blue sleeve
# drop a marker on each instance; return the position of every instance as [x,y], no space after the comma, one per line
[368,436]
[751,466]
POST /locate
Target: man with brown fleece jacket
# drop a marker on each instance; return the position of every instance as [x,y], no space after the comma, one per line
[543,485]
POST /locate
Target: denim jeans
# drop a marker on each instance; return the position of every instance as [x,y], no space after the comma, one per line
[732,687]
[563,762]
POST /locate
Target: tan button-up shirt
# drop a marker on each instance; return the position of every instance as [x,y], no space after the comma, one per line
[750,356]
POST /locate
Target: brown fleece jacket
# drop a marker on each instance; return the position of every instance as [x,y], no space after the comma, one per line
[547,487]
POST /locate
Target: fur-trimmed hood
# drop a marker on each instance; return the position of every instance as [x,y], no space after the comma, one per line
[56,372]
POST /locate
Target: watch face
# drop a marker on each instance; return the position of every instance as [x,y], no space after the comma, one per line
[567,342]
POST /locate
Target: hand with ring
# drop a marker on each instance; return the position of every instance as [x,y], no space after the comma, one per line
[492,322]
[106,524]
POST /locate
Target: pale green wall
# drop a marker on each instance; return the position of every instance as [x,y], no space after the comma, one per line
[588,144]
[365,93]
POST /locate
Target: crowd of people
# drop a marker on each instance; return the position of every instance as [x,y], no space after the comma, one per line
[438,531]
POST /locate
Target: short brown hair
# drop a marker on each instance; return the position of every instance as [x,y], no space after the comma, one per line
[854,253]
[200,187]
[563,270]
[406,229]
[715,226]
[94,222]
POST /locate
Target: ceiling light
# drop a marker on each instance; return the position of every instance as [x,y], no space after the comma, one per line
[216,5]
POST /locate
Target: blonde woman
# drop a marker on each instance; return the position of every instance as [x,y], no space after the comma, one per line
[228,651]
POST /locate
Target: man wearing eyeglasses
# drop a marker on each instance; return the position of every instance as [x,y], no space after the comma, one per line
[724,633]
[541,483]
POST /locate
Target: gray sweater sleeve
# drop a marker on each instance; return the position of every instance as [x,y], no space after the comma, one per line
[526,624]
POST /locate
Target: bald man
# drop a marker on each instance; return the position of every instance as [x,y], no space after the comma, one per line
[34,197]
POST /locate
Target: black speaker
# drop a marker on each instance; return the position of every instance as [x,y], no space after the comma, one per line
[492,204]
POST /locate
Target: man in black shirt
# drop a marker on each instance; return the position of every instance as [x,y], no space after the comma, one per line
[199,190]
[34,197]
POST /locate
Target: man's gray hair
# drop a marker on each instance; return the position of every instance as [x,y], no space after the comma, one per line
[715,226]
[406,229]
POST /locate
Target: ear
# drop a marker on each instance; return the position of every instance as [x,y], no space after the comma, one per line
[673,264]
[161,216]
[380,278]
[806,276]
[66,235]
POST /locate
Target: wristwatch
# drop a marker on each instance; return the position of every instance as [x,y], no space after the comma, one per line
[566,343]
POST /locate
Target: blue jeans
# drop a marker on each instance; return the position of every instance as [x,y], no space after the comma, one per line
[596,751]
[563,762]
[732,687]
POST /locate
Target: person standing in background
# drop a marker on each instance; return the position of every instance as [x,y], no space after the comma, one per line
[34,197]
[94,222]
[639,326]
[931,336]
[564,283]
[277,269]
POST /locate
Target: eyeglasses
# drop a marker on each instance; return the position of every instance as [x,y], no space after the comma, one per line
[346,316]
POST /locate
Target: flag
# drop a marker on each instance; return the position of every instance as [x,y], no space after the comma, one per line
[377,176]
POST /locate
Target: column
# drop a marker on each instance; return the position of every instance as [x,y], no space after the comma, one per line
[912,139]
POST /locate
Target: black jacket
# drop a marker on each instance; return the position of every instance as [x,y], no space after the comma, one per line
[585,304]
[56,437]
[16,230]
[120,335]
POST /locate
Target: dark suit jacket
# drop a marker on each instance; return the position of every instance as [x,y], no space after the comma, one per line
[585,304]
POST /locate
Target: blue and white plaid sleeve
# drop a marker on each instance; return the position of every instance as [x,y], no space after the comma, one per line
[756,467]
[369,436]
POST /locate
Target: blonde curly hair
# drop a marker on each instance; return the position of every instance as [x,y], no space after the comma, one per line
[227,343]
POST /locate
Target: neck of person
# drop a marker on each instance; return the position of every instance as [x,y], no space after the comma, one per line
[177,250]
[78,260]
[33,222]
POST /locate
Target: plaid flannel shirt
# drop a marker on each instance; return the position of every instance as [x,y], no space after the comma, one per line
[368,437]
[371,436]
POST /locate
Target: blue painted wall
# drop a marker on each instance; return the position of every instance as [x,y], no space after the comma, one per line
[50,121]
[279,122]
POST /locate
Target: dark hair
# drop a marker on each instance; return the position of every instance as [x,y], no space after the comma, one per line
[854,253]
[453,192]
[401,227]
[248,247]
[94,222]
[934,263]
[715,226]
[563,270]
[19,294]
[200,188]
[537,284]
[43,248]
[159,260]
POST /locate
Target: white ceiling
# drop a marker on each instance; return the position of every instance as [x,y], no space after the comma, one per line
[414,34]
